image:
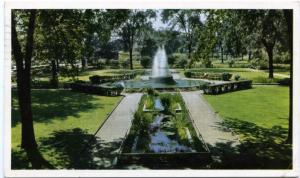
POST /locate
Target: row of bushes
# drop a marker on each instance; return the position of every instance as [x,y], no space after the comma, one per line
[96,89]
[211,76]
[227,87]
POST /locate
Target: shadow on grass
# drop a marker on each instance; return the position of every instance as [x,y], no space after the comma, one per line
[76,149]
[29,159]
[261,148]
[49,104]
[69,149]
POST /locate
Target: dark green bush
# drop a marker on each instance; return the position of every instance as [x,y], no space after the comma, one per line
[182,63]
[285,81]
[188,74]
[226,76]
[237,77]
[146,61]
[95,79]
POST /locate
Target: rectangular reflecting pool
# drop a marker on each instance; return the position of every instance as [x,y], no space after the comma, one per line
[163,135]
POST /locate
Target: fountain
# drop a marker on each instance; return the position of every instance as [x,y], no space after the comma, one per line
[160,68]
[160,76]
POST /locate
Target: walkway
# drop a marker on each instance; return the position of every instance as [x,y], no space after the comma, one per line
[207,121]
[112,133]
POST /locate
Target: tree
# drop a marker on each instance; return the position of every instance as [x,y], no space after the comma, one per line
[23,59]
[136,21]
[267,27]
[187,21]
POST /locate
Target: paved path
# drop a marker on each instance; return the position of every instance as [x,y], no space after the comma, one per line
[207,121]
[112,133]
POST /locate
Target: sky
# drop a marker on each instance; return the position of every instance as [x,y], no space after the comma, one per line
[157,23]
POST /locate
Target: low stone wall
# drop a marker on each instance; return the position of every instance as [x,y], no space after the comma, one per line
[227,87]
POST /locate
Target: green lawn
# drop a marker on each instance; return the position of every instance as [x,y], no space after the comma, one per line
[60,116]
[265,106]
[260,117]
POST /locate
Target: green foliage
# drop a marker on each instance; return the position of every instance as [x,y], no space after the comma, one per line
[152,92]
[114,64]
[141,122]
[237,77]
[95,79]
[149,102]
[146,61]
[226,76]
[231,63]
[188,74]
[259,64]
[182,63]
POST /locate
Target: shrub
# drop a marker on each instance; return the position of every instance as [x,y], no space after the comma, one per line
[226,76]
[150,91]
[125,64]
[149,102]
[114,64]
[146,61]
[188,74]
[172,59]
[285,82]
[95,79]
[206,63]
[230,63]
[182,63]
[259,64]
[237,77]
[142,121]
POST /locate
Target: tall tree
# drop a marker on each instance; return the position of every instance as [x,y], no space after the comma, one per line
[23,58]
[267,25]
[186,21]
[130,29]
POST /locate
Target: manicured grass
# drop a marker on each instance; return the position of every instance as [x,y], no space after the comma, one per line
[260,117]
[265,106]
[59,111]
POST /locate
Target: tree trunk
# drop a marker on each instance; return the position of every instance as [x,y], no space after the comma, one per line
[23,64]
[130,58]
[249,55]
[288,14]
[190,54]
[57,65]
[54,80]
[270,55]
[222,59]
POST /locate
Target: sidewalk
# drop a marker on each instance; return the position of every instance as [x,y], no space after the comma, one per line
[207,121]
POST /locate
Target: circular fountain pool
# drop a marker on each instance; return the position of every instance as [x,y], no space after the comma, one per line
[160,77]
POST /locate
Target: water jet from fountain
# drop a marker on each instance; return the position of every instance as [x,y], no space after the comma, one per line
[160,68]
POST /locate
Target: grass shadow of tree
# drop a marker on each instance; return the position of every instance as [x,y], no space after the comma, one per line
[260,148]
[29,159]
[64,103]
[76,149]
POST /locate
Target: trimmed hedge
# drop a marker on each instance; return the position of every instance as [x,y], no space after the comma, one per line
[97,89]
[211,76]
[227,87]
[97,79]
